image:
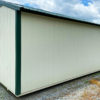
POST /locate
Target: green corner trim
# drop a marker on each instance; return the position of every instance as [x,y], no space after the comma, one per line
[18,53]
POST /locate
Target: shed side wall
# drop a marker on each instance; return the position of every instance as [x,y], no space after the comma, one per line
[56,50]
[7,48]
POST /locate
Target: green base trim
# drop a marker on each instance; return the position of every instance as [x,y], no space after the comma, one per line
[18,53]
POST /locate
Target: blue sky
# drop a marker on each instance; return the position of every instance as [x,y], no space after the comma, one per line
[88,10]
[86,2]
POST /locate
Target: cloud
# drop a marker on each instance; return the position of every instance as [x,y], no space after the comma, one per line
[88,10]
[89,13]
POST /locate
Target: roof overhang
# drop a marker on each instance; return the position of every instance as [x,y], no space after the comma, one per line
[42,12]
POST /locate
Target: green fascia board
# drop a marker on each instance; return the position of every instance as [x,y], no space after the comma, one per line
[18,53]
[43,12]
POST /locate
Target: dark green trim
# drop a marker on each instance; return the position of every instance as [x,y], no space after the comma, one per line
[18,53]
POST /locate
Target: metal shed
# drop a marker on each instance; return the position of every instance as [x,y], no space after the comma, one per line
[39,49]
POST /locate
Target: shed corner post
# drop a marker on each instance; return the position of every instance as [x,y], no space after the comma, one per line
[18,52]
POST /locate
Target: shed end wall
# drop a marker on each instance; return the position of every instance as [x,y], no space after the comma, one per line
[7,47]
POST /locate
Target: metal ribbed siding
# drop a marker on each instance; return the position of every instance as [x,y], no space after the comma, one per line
[56,50]
[7,48]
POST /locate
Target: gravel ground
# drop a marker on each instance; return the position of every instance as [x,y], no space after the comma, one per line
[79,89]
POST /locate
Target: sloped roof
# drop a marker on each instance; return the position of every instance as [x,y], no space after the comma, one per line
[40,11]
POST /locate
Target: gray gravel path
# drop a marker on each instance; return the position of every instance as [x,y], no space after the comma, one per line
[52,93]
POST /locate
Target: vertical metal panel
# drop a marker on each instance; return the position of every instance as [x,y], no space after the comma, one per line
[7,48]
[56,50]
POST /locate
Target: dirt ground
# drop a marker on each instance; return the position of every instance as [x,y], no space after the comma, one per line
[84,88]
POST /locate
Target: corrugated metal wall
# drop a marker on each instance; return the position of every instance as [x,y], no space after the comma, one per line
[7,48]
[56,50]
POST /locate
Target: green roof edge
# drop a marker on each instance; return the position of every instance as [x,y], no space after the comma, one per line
[43,12]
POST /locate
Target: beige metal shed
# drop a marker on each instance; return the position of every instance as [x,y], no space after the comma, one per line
[39,49]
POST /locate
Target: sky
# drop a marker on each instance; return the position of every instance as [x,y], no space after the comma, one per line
[87,10]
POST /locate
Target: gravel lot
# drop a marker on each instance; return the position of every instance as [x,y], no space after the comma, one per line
[79,89]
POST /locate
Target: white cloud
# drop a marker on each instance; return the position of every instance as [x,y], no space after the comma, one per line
[97,21]
[86,12]
[45,4]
